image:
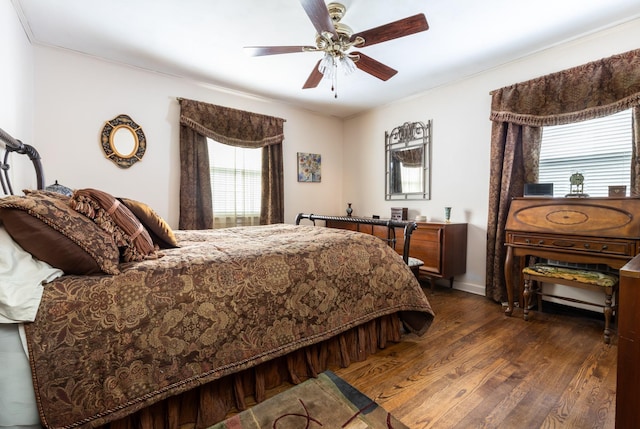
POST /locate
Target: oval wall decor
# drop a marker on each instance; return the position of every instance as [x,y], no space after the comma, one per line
[123,141]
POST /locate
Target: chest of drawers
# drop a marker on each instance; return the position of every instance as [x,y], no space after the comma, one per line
[441,246]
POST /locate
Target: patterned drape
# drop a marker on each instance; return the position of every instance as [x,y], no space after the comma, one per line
[515,154]
[233,127]
[518,112]
[196,209]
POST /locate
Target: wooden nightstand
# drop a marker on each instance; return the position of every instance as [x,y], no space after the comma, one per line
[443,249]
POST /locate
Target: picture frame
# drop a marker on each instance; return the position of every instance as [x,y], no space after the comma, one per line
[309,167]
[618,191]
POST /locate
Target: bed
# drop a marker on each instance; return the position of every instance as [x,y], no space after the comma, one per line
[203,322]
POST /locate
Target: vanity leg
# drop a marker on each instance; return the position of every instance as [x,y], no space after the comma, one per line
[508,277]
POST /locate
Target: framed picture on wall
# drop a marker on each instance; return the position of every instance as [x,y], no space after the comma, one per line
[309,165]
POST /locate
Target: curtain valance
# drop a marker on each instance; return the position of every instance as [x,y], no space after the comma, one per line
[230,126]
[592,90]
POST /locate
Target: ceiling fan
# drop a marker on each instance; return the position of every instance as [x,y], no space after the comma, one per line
[336,39]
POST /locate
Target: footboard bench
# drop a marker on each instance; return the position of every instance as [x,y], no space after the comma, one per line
[386,230]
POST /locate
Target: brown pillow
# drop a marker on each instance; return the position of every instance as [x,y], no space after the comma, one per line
[115,218]
[39,192]
[159,230]
[52,232]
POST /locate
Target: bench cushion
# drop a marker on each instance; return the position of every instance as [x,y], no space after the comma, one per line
[583,276]
[414,262]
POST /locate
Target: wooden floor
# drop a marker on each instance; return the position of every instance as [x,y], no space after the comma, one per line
[476,368]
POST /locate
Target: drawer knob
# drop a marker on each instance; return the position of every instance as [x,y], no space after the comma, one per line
[605,247]
[587,245]
[541,242]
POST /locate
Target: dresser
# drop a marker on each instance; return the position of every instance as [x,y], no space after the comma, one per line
[441,246]
[628,382]
[574,230]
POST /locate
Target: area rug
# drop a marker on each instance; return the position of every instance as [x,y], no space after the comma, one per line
[326,402]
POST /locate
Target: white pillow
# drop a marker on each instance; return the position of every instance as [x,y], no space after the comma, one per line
[21,280]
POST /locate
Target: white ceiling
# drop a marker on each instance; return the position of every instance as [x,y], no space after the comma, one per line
[203,40]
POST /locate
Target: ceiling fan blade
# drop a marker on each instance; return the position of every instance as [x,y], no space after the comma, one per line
[319,16]
[374,68]
[393,30]
[314,78]
[257,51]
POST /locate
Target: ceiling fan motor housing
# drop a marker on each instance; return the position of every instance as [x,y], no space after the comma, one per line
[336,11]
[338,48]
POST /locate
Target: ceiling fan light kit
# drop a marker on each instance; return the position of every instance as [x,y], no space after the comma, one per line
[335,39]
[328,66]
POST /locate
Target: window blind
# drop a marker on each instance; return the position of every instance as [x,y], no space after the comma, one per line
[235,184]
[600,149]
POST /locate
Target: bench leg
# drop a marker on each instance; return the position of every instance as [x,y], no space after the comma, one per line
[608,311]
[539,297]
[527,297]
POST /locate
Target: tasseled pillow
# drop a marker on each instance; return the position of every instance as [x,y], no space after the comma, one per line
[111,215]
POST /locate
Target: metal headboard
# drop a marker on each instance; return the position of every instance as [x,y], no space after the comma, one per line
[14,145]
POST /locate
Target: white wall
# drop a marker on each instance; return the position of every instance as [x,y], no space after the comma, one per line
[461,141]
[76,94]
[16,91]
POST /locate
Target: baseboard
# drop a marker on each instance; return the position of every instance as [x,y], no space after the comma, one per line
[465,287]
[469,287]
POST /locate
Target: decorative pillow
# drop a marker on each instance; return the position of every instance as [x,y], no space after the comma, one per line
[39,192]
[115,218]
[52,232]
[159,230]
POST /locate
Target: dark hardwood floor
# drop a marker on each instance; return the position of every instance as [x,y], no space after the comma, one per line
[476,368]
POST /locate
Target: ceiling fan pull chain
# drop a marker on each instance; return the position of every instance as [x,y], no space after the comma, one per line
[334,84]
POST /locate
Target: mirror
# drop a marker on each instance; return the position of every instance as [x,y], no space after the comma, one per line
[123,141]
[408,162]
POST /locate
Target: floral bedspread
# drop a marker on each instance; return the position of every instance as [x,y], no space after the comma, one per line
[105,346]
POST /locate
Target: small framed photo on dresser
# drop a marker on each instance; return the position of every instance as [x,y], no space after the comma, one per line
[618,191]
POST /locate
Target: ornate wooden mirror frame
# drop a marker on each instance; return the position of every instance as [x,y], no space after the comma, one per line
[123,141]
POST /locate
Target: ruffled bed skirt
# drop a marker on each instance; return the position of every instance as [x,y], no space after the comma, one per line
[212,402]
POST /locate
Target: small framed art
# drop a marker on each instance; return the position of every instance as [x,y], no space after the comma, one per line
[309,165]
[618,191]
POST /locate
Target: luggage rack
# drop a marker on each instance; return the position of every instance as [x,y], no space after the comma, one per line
[391,224]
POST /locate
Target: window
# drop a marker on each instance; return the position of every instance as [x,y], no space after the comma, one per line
[235,184]
[600,149]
